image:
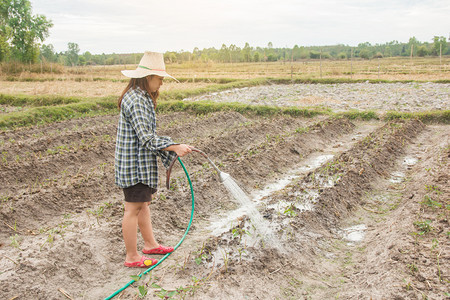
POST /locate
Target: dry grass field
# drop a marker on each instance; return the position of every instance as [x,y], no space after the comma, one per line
[101,81]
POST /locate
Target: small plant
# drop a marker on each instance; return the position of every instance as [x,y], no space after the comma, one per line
[143,290]
[15,241]
[201,255]
[4,157]
[435,244]
[302,130]
[241,251]
[430,202]
[290,211]
[412,267]
[98,213]
[3,199]
[239,232]
[433,188]
[164,294]
[162,197]
[226,260]
[423,226]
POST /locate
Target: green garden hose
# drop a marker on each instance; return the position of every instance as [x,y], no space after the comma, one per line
[175,248]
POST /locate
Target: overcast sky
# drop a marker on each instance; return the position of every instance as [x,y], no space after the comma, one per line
[118,26]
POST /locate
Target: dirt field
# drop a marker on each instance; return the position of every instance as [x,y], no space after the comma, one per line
[351,210]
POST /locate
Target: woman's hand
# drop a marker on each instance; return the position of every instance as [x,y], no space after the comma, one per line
[179,149]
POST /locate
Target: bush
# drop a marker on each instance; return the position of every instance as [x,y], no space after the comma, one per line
[314,54]
[365,54]
[378,55]
[342,55]
[422,51]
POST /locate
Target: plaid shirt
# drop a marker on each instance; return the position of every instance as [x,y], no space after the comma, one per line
[137,144]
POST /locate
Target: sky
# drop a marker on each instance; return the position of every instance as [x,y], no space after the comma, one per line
[135,26]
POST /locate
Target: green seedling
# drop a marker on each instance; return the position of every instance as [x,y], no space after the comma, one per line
[4,157]
[290,211]
[431,203]
[164,294]
[432,188]
[435,244]
[98,213]
[143,290]
[412,267]
[15,241]
[423,226]
[201,254]
[226,260]
[239,232]
[302,130]
[241,251]
[3,199]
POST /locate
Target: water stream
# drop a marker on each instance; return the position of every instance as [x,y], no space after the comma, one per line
[261,225]
[248,204]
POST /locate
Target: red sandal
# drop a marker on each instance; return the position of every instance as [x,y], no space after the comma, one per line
[160,250]
[145,262]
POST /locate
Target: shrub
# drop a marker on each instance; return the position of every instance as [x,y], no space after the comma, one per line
[365,54]
[342,55]
[378,55]
[422,51]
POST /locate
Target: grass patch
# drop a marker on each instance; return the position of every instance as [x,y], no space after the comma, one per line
[47,109]
[26,100]
[205,107]
[49,114]
[437,116]
[358,115]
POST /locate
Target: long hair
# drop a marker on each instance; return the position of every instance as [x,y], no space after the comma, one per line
[143,84]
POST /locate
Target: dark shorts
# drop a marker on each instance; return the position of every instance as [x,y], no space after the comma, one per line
[138,193]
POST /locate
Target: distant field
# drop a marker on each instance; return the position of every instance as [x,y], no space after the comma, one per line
[102,81]
[398,68]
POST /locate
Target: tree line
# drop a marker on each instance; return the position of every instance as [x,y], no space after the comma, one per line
[22,35]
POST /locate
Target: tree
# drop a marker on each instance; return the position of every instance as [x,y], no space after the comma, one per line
[422,51]
[257,57]
[246,56]
[48,53]
[342,55]
[5,49]
[224,53]
[412,45]
[438,42]
[72,54]
[87,57]
[364,53]
[22,30]
[387,51]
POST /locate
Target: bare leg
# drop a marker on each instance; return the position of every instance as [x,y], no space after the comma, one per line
[129,229]
[145,225]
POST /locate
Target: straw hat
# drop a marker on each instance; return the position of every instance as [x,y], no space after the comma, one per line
[152,63]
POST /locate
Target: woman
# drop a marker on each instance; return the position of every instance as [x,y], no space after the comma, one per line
[137,149]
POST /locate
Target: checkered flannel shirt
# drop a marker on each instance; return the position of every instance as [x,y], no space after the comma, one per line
[137,145]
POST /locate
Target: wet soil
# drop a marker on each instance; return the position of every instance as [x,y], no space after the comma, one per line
[60,231]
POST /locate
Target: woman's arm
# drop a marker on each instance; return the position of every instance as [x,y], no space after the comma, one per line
[179,149]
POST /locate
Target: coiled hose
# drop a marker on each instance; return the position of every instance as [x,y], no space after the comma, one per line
[175,248]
